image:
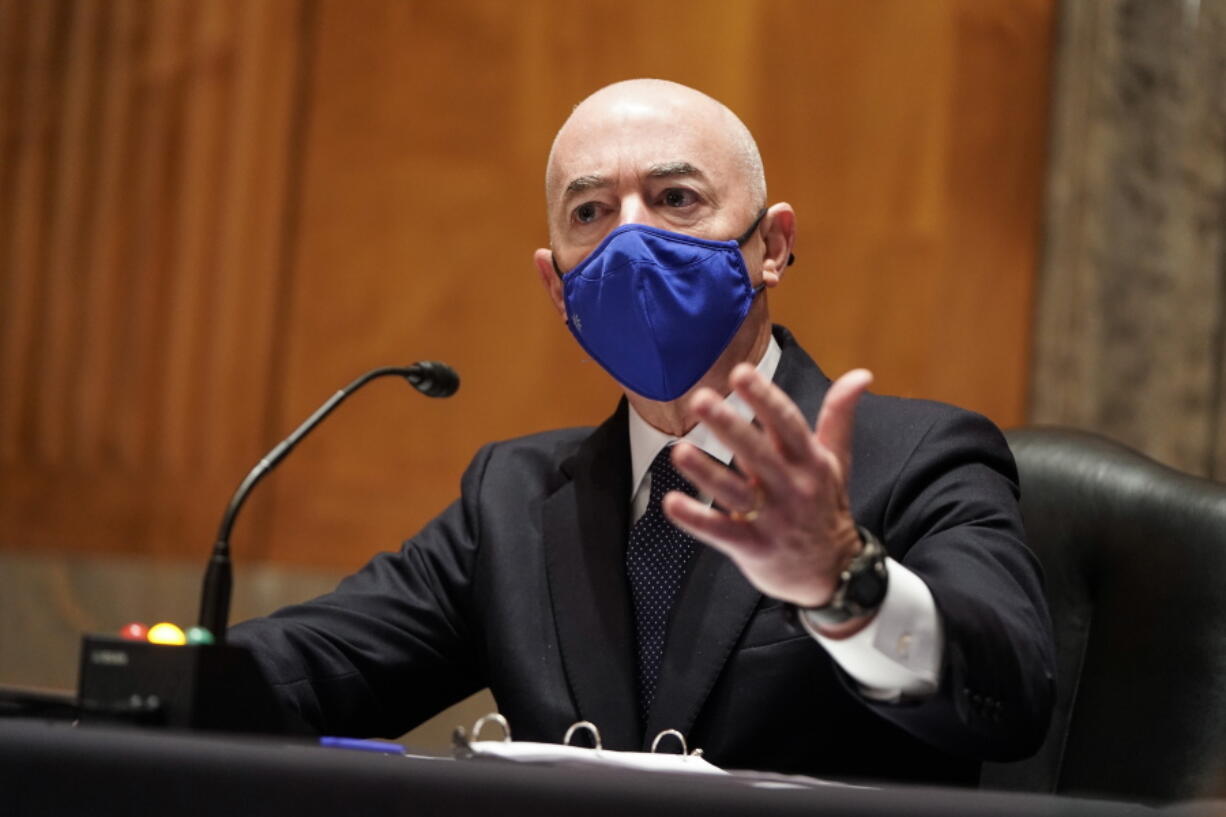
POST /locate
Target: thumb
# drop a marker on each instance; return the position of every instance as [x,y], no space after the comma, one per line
[836,422]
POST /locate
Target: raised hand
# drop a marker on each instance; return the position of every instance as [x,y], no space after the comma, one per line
[788,525]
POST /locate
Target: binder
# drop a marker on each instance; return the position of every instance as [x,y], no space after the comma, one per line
[470,746]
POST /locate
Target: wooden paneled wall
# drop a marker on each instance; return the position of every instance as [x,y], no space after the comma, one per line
[213,214]
[144,220]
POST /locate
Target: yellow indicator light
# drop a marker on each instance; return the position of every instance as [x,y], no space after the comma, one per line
[166,633]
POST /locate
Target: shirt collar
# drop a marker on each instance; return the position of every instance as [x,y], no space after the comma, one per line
[646,440]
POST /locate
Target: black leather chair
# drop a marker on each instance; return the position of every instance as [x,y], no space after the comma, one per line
[1135,560]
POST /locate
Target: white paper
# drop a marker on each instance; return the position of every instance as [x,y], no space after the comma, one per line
[529,752]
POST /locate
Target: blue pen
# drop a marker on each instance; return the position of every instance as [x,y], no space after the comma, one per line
[382,746]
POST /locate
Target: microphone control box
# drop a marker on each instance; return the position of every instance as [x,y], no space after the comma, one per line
[216,687]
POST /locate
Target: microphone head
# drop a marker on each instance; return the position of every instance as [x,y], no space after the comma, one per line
[433,379]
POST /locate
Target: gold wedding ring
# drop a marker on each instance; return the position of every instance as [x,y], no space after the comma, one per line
[759,499]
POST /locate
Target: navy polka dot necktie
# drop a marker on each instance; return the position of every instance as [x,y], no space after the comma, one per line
[657,554]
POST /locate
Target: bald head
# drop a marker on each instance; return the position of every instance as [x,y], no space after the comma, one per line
[645,128]
[655,153]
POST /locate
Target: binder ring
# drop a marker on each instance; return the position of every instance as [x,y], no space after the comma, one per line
[685,750]
[589,726]
[496,718]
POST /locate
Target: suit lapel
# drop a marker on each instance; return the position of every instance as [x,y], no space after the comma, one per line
[712,609]
[585,524]
[799,377]
[716,600]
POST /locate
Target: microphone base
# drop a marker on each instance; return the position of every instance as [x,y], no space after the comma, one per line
[213,687]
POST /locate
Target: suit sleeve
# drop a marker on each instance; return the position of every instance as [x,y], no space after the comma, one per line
[394,643]
[953,518]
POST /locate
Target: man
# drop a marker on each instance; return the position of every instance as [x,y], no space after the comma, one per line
[564,578]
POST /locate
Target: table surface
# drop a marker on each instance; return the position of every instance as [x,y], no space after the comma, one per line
[55,768]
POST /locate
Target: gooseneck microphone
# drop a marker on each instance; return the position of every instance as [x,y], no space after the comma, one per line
[431,378]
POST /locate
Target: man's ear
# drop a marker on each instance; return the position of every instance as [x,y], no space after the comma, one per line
[543,259]
[779,235]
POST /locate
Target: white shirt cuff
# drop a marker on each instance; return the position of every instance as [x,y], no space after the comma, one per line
[899,652]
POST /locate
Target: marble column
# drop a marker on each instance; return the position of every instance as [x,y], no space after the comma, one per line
[1132,290]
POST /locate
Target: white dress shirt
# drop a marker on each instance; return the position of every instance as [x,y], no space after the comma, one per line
[899,652]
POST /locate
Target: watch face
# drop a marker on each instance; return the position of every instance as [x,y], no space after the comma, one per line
[867,589]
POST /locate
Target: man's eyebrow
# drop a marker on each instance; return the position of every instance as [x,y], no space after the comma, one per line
[664,170]
[580,184]
[667,169]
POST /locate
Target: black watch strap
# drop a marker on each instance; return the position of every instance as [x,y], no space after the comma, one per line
[862,586]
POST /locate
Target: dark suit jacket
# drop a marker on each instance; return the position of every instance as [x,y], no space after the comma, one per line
[520,586]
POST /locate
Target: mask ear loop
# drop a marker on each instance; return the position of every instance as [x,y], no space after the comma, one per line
[748,234]
[554,260]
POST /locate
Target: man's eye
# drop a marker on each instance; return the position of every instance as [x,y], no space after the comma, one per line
[678,197]
[586,213]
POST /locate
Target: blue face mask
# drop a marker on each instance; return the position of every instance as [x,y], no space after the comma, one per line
[656,308]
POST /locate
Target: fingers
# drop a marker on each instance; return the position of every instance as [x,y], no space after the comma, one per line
[752,449]
[792,546]
[775,411]
[782,453]
[836,422]
[708,525]
[714,479]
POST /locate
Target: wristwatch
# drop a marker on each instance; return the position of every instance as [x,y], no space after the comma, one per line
[862,586]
